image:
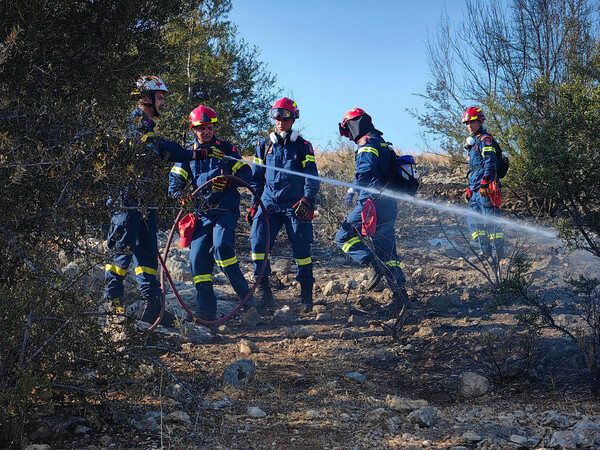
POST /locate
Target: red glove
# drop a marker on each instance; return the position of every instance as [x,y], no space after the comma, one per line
[368,216]
[303,209]
[484,188]
[468,194]
[220,183]
[252,212]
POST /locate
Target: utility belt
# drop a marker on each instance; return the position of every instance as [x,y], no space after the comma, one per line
[473,169]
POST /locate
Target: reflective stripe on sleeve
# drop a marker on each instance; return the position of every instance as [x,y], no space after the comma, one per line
[308,159]
[258,160]
[179,171]
[238,165]
[369,150]
[487,149]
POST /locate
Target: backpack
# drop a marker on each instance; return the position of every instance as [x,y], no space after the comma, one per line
[503,163]
[402,174]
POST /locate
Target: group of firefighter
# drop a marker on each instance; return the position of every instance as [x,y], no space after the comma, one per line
[366,235]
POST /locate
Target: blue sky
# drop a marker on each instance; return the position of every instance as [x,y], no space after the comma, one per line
[331,56]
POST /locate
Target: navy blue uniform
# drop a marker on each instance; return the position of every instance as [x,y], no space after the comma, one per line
[213,241]
[279,191]
[483,163]
[132,233]
[372,165]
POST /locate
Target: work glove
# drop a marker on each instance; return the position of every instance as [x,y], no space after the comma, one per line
[468,194]
[252,212]
[469,143]
[484,188]
[187,201]
[303,209]
[220,183]
[349,199]
[368,216]
[211,152]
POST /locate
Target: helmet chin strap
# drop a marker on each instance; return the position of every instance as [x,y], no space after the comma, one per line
[153,104]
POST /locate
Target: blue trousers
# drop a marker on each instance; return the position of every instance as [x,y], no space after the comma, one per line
[352,243]
[132,236]
[488,235]
[300,234]
[213,242]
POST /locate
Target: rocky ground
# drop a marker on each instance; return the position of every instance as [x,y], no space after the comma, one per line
[455,375]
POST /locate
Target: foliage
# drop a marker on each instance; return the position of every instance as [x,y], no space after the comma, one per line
[539,311]
[587,292]
[533,66]
[337,165]
[560,156]
[213,68]
[493,57]
[66,74]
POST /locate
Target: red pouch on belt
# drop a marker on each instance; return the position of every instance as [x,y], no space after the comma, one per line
[495,196]
[187,225]
[368,216]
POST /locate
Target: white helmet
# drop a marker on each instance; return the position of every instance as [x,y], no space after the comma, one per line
[150,83]
[147,86]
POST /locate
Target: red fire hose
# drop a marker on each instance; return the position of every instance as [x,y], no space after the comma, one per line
[162,259]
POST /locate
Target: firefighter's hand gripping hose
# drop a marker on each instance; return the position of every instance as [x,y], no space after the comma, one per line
[162,260]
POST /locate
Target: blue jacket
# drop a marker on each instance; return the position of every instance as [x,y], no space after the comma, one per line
[482,159]
[147,154]
[372,164]
[280,190]
[199,172]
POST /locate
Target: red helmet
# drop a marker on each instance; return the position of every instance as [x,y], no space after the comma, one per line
[284,108]
[202,115]
[352,114]
[473,113]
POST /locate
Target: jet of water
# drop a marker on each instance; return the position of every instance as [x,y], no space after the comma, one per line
[444,207]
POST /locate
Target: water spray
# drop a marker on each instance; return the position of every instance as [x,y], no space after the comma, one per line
[447,207]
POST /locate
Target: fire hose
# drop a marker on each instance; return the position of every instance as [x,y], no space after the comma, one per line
[164,273]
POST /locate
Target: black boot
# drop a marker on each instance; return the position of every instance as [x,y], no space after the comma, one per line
[375,274]
[152,311]
[264,297]
[306,296]
[400,303]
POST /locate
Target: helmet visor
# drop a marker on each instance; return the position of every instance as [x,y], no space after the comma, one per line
[281,113]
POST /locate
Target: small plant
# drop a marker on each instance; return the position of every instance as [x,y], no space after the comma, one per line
[539,312]
[587,291]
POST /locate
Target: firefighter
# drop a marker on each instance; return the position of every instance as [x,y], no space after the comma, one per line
[133,227]
[288,199]
[483,191]
[217,214]
[374,215]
